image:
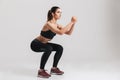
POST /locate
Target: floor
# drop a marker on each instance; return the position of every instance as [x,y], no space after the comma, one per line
[85,70]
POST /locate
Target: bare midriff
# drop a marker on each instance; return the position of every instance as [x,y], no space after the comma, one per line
[43,39]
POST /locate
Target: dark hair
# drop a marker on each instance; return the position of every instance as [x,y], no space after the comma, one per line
[52,10]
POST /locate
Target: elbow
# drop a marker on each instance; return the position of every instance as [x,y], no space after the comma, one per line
[61,33]
[68,33]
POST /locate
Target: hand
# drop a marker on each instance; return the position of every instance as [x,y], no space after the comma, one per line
[73,19]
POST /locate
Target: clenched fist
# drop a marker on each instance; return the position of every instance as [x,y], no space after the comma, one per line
[73,19]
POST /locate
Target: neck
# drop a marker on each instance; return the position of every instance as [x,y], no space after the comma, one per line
[53,20]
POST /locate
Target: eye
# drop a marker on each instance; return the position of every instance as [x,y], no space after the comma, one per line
[59,12]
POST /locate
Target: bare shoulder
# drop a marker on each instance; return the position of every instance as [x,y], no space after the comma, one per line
[45,27]
[48,22]
[50,25]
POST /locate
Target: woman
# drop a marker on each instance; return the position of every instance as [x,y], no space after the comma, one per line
[42,44]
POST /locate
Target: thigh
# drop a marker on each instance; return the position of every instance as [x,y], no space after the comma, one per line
[37,46]
[55,46]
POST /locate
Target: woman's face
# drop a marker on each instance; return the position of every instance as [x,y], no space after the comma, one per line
[57,14]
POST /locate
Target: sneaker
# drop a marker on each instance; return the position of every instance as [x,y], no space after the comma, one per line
[43,74]
[56,71]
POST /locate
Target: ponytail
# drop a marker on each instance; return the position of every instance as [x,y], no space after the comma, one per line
[49,16]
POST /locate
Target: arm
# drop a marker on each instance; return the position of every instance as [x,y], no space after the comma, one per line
[70,31]
[61,30]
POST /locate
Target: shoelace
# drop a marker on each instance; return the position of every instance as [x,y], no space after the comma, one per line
[44,71]
[57,69]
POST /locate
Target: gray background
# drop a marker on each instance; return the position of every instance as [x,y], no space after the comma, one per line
[96,37]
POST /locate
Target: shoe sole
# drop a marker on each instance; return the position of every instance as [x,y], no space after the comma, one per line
[43,76]
[56,73]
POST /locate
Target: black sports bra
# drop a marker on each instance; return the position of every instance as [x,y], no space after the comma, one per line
[48,34]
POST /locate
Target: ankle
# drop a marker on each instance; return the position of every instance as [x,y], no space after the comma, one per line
[41,70]
[54,68]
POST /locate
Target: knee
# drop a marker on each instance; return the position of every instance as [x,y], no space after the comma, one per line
[60,48]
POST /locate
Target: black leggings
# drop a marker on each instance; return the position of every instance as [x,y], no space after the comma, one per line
[47,48]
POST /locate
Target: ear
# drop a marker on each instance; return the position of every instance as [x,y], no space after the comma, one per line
[52,14]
